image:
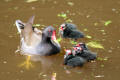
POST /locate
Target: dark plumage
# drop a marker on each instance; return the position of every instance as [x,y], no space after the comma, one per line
[48,46]
[36,42]
[73,61]
[68,30]
[82,51]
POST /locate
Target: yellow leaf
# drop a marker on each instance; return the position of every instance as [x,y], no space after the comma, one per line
[95,44]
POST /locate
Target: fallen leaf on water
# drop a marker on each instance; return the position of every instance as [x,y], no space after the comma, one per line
[7,0]
[85,29]
[95,44]
[96,24]
[102,65]
[107,23]
[63,15]
[69,20]
[53,76]
[16,8]
[59,39]
[70,3]
[29,1]
[73,42]
[102,30]
[89,37]
[36,25]
[98,76]
[102,59]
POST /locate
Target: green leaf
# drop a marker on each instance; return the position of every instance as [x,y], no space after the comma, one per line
[95,44]
[107,23]
[59,39]
[102,59]
[73,42]
[69,20]
[37,25]
[62,15]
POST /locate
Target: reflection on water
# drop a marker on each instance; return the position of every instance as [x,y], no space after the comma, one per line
[97,19]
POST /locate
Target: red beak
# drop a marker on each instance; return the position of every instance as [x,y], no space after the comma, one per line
[61,28]
[54,35]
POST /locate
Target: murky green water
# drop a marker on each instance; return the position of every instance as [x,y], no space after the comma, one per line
[89,15]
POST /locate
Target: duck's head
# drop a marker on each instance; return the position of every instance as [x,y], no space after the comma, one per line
[29,34]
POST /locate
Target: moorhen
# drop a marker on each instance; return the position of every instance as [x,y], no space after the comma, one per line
[68,30]
[73,61]
[82,51]
[36,42]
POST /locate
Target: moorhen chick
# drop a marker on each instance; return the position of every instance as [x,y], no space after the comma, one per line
[82,51]
[68,30]
[36,42]
[73,61]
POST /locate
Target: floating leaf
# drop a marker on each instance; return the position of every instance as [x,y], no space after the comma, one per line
[102,65]
[36,25]
[95,44]
[89,37]
[29,1]
[102,30]
[59,39]
[98,76]
[69,20]
[70,3]
[96,24]
[53,76]
[107,23]
[15,8]
[73,42]
[87,16]
[63,15]
[7,0]
[85,29]
[102,59]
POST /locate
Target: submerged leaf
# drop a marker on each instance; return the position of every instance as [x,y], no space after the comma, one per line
[107,23]
[95,44]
